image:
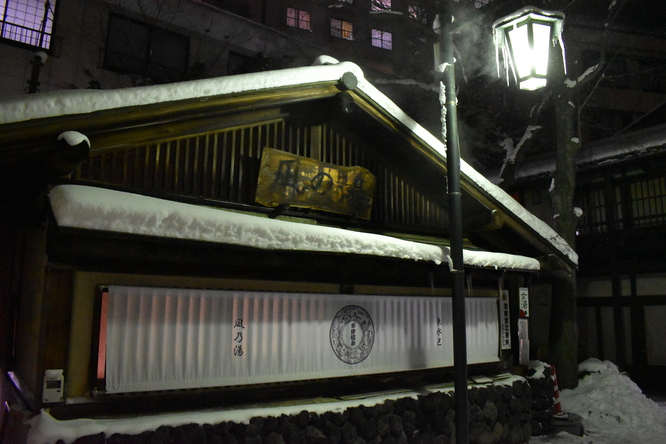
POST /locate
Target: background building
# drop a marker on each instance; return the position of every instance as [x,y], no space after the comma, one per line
[119,43]
[620,184]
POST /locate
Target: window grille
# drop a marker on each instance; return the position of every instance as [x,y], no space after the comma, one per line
[648,202]
[382,39]
[417,13]
[593,219]
[379,5]
[297,18]
[27,21]
[137,48]
[635,202]
[342,29]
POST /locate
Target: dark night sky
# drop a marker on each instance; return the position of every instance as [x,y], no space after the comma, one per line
[637,14]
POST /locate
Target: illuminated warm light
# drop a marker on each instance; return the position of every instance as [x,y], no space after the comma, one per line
[525,39]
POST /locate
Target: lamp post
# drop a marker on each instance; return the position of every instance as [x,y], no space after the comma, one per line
[445,27]
[525,39]
[456,243]
[527,29]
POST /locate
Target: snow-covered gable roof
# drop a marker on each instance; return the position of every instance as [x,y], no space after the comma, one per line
[325,71]
[84,101]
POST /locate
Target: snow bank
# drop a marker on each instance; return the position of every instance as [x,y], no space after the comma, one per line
[613,406]
[108,210]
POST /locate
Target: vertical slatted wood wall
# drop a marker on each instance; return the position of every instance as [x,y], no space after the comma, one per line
[224,164]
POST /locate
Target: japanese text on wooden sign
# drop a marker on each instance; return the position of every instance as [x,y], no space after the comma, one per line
[298,181]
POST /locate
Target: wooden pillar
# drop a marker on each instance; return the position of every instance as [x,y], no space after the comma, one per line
[618,317]
[56,320]
[639,356]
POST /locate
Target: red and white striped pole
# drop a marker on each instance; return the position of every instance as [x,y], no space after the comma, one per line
[557,406]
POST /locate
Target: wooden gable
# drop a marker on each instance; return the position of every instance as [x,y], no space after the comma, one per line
[208,150]
[221,164]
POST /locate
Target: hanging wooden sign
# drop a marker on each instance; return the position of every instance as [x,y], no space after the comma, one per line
[298,181]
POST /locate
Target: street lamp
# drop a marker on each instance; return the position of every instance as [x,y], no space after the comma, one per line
[524,39]
[564,337]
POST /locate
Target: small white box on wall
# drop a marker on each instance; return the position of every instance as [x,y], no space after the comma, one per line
[54,383]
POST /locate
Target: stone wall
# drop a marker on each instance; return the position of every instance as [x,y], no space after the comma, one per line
[499,413]
[540,377]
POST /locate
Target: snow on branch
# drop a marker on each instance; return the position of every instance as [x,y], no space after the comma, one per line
[511,151]
[573,83]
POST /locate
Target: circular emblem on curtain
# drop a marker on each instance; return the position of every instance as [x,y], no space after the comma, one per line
[352,334]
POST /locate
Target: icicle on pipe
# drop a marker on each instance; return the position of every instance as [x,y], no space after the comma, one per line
[442,106]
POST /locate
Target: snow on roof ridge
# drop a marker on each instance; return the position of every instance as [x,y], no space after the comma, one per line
[486,185]
[80,101]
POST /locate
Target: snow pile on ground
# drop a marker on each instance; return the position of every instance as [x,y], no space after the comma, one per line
[613,408]
[612,404]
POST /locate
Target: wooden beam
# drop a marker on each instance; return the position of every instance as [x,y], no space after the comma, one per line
[19,136]
[56,315]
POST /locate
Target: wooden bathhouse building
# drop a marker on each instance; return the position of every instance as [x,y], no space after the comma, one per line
[177,246]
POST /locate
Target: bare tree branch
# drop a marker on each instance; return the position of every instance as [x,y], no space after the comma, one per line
[613,10]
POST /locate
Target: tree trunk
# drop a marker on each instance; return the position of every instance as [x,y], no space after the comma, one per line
[563,329]
[562,190]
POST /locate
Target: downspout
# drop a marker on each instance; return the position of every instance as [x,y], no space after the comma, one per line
[42,31]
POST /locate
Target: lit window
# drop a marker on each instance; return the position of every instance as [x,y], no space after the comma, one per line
[380,5]
[297,18]
[382,39]
[417,13]
[27,21]
[342,29]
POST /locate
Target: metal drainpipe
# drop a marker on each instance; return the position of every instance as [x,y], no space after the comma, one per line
[455,237]
[42,30]
[33,82]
